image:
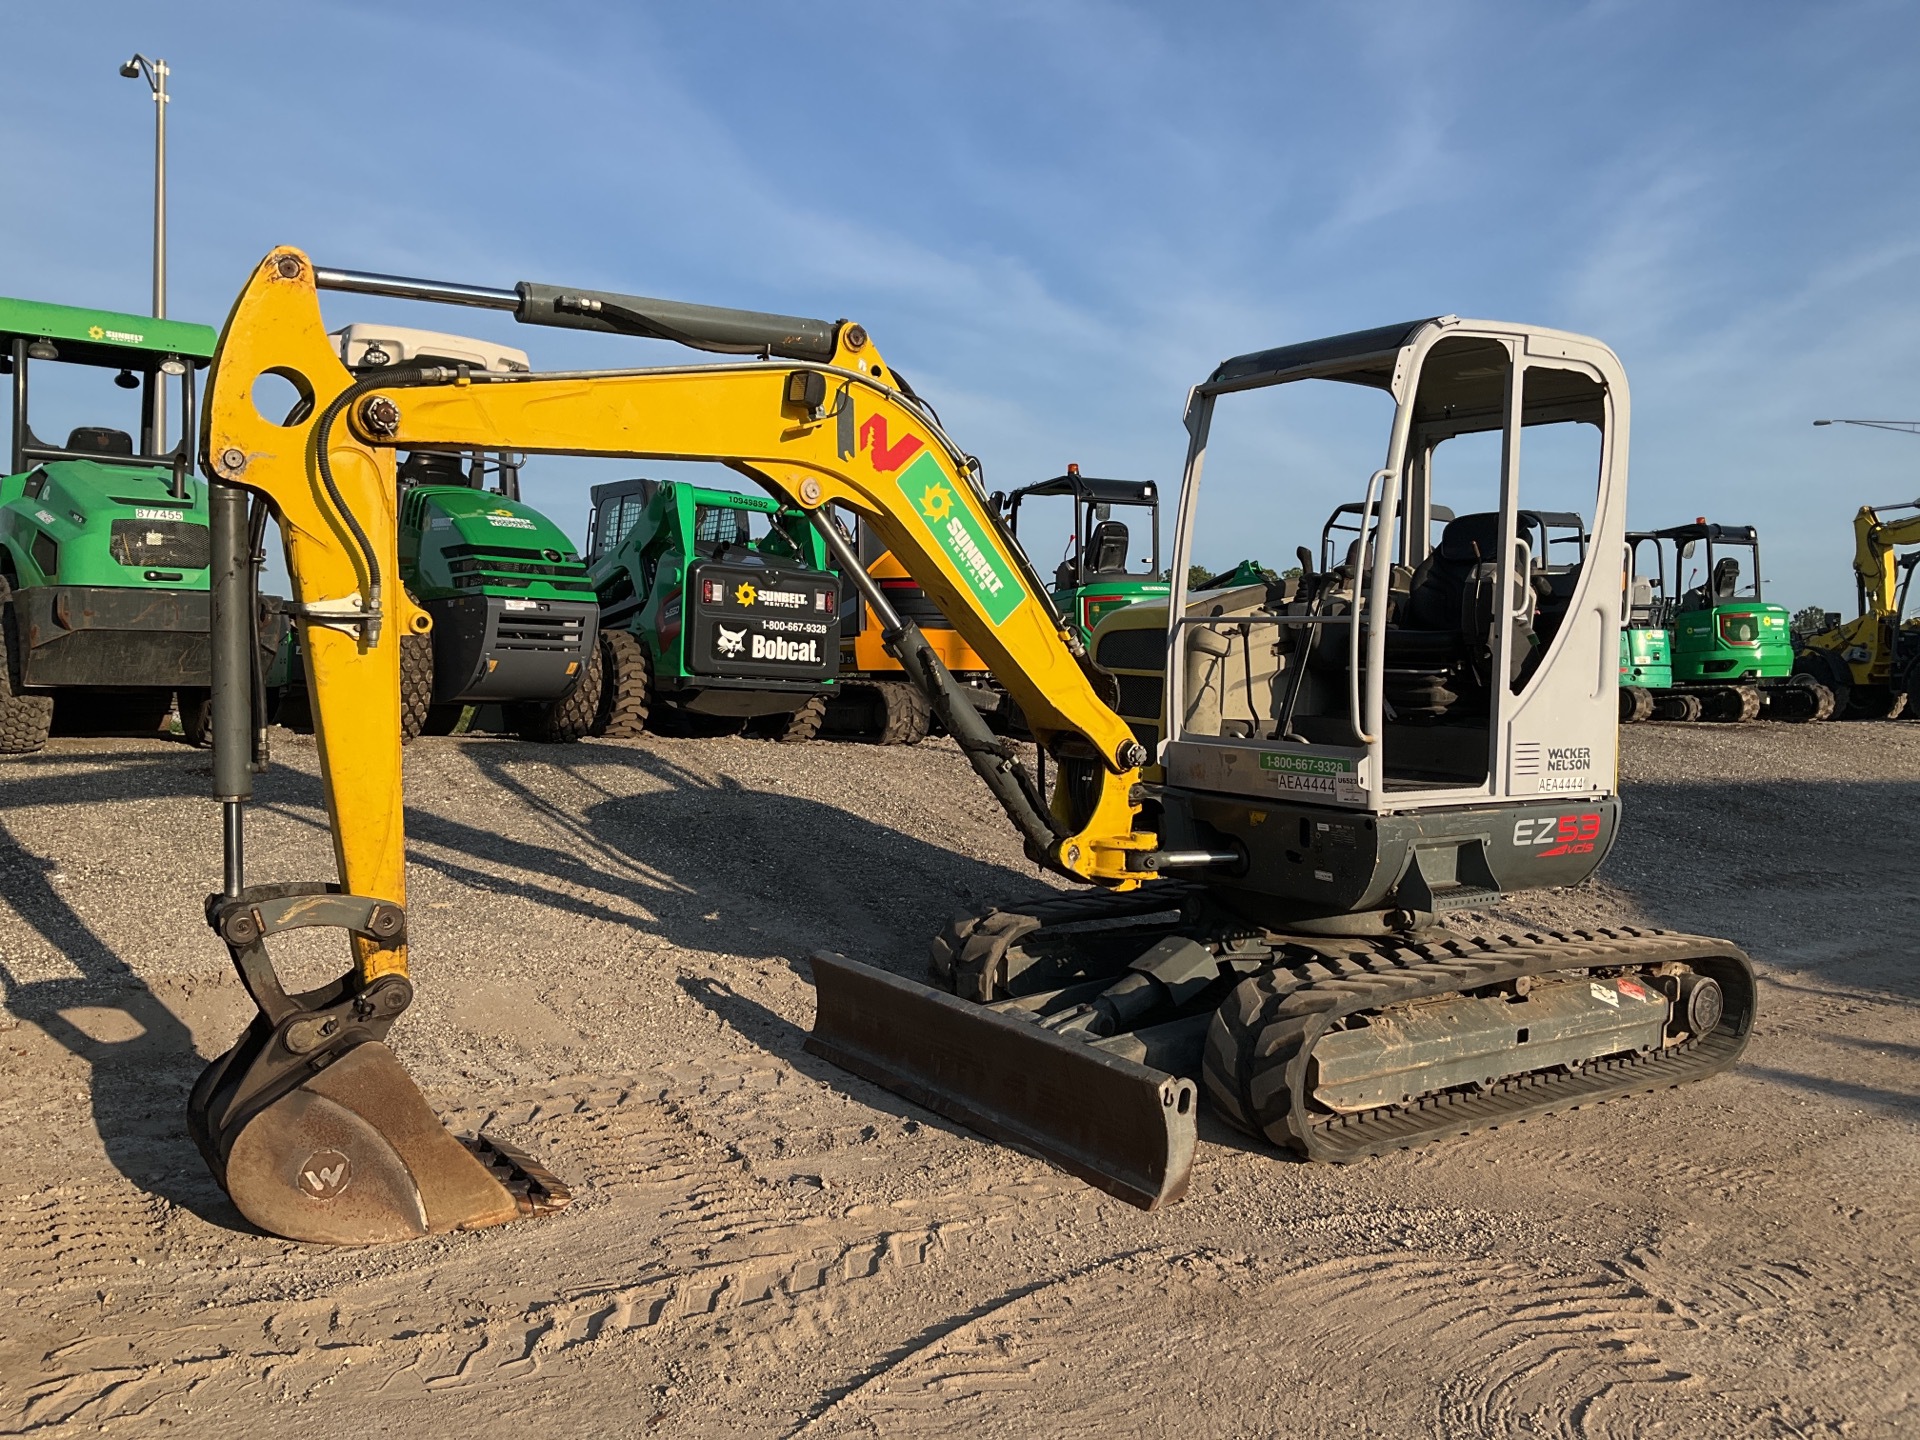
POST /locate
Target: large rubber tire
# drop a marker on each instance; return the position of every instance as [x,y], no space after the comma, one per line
[794,729]
[562,721]
[25,720]
[1636,704]
[626,687]
[196,717]
[416,684]
[905,716]
[1677,707]
[1734,704]
[1873,702]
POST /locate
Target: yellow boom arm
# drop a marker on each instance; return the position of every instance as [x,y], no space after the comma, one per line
[1875,542]
[1865,645]
[816,434]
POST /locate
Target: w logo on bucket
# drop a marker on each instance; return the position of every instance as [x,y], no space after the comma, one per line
[325,1174]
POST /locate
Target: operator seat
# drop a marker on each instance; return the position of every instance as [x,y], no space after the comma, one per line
[99,440]
[427,467]
[1726,578]
[1640,602]
[1439,654]
[1107,548]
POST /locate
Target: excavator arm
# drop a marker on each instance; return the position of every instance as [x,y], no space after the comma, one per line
[310,1123]
[1875,542]
[835,431]
[1860,652]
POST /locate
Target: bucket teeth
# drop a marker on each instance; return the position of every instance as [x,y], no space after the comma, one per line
[536,1190]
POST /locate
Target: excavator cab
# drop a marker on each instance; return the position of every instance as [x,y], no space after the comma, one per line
[1351,755]
[1435,665]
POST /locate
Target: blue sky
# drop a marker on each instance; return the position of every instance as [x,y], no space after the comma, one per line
[1055,217]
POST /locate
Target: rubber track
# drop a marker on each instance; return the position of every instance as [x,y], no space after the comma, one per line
[1260,1044]
[1260,1041]
[967,958]
[1820,707]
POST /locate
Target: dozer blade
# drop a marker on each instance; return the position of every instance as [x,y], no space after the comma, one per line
[354,1155]
[1121,1126]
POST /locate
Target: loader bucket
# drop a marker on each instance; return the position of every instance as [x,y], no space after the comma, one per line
[1120,1126]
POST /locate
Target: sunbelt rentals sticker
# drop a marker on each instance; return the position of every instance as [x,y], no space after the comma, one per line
[961,536]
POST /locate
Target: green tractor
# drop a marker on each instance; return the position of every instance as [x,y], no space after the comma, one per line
[104,600]
[1096,577]
[515,621]
[1728,652]
[718,613]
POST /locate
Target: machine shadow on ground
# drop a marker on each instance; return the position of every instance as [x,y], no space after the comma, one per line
[1819,895]
[141,1055]
[686,850]
[691,846]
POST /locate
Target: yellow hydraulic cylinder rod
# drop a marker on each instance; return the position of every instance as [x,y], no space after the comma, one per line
[350,639]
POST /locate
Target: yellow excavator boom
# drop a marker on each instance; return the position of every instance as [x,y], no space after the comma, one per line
[836,432]
[1864,647]
[311,1124]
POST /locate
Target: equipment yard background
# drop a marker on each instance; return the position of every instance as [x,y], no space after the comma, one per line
[610,945]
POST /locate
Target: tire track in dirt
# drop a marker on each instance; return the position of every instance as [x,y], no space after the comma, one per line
[1209,1344]
[670,1227]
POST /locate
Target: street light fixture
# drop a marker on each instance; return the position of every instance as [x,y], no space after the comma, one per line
[155,72]
[1908,427]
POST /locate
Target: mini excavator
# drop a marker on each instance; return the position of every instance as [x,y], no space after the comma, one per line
[1870,662]
[1347,759]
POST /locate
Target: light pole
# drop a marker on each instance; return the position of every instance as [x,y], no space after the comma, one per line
[1909,427]
[155,73]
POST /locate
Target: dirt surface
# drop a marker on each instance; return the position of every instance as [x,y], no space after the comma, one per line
[610,941]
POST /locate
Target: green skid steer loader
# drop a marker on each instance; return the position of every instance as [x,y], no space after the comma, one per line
[718,613]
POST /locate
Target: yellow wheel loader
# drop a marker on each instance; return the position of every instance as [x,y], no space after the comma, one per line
[1344,764]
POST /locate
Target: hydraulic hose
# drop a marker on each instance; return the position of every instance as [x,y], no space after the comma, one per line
[323,430]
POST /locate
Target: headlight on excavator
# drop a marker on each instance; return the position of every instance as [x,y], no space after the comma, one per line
[807,389]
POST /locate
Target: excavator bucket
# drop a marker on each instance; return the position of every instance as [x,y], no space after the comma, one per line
[313,1128]
[1121,1126]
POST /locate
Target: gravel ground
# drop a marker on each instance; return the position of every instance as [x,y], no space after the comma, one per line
[609,945]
